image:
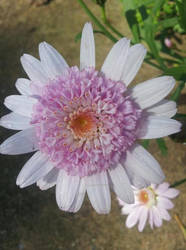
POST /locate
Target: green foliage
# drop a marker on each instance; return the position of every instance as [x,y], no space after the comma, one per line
[162,146]
[181,4]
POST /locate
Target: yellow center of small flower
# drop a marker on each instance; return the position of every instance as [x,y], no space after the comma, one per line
[143,196]
[83,125]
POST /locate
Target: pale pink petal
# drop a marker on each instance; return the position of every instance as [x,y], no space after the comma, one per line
[48,180]
[34,69]
[87,50]
[162,188]
[163,108]
[157,127]
[22,142]
[51,60]
[150,92]
[135,179]
[35,168]
[23,86]
[133,217]
[156,217]
[80,195]
[142,218]
[15,121]
[143,164]
[151,219]
[164,214]
[165,203]
[135,58]
[66,189]
[121,184]
[171,193]
[116,59]
[98,192]
[20,104]
[128,208]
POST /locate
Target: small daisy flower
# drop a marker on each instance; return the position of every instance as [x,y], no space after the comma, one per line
[84,124]
[151,204]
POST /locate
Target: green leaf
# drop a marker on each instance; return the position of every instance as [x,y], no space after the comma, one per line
[145,143]
[181,4]
[149,37]
[130,13]
[143,12]
[175,96]
[167,23]
[77,37]
[162,146]
[157,6]
[180,116]
[179,72]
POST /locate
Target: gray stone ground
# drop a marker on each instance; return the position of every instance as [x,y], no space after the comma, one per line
[30,218]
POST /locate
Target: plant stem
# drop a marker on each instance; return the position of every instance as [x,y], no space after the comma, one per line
[107,23]
[177,183]
[96,21]
[180,224]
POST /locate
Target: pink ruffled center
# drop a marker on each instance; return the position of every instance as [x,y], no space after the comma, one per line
[85,122]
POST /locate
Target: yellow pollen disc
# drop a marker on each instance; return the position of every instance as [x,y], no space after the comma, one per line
[143,196]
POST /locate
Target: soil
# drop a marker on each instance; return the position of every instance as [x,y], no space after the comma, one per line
[30,218]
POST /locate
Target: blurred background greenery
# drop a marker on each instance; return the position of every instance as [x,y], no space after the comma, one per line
[30,218]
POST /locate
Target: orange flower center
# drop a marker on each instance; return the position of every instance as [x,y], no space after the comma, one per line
[143,196]
[83,125]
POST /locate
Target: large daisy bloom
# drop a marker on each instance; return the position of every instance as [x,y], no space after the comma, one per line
[84,124]
[151,204]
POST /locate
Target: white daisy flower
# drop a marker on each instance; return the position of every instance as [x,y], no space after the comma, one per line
[151,204]
[85,124]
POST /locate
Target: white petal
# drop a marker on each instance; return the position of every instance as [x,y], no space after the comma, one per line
[156,217]
[152,91]
[20,104]
[143,164]
[129,208]
[171,193]
[66,190]
[143,219]
[121,184]
[151,219]
[133,217]
[165,203]
[35,168]
[116,59]
[15,121]
[23,86]
[135,58]
[98,192]
[157,127]
[76,204]
[163,108]
[136,180]
[48,180]
[34,69]
[53,63]
[162,187]
[164,214]
[22,142]
[87,50]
